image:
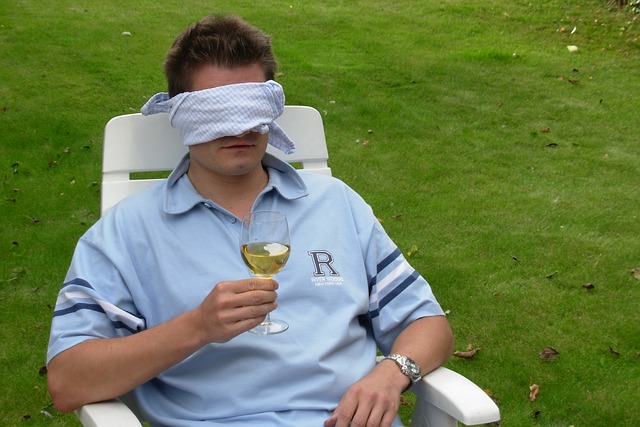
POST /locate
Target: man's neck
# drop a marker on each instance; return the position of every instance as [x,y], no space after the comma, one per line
[235,193]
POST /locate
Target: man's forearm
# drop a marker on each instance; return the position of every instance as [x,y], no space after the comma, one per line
[428,341]
[101,369]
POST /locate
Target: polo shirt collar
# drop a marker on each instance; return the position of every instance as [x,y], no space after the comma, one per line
[180,195]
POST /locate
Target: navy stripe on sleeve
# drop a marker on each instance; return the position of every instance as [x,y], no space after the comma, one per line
[396,291]
[78,282]
[382,265]
[79,306]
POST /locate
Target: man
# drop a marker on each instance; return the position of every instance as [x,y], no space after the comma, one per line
[157,298]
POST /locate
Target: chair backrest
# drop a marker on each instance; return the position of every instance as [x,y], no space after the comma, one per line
[135,143]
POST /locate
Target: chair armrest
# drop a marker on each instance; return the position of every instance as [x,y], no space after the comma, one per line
[111,413]
[456,396]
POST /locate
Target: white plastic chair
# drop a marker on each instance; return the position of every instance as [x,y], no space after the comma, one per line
[135,143]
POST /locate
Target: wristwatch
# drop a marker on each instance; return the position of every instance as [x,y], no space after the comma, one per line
[408,366]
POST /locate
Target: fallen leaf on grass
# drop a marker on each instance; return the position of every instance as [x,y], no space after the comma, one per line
[636,273]
[16,274]
[468,354]
[548,353]
[404,401]
[533,392]
[414,250]
[492,396]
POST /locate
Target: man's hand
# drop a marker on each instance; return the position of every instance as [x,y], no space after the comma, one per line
[234,307]
[373,401]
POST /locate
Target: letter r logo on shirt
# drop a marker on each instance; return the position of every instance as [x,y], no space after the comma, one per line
[320,259]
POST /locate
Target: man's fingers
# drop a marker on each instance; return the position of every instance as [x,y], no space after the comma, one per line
[256,284]
[234,322]
[364,406]
[242,293]
[331,421]
[343,414]
[247,285]
[256,311]
[362,414]
[244,312]
[388,418]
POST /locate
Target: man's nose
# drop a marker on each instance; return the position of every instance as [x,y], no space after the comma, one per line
[249,136]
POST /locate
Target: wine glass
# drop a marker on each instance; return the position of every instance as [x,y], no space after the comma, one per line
[264,245]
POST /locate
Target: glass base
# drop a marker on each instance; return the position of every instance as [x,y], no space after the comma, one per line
[270,327]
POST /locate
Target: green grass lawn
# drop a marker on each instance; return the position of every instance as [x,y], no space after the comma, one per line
[506,167]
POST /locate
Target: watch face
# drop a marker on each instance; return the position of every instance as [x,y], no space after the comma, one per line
[412,369]
[407,366]
[415,371]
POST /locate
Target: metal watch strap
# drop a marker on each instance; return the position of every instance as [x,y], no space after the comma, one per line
[408,366]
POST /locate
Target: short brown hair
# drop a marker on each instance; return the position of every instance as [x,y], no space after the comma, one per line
[224,41]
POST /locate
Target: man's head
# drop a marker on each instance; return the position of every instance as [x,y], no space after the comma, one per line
[222,41]
[220,74]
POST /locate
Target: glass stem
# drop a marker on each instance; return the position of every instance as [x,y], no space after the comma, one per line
[267,320]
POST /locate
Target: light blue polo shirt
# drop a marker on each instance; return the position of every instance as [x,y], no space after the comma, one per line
[345,290]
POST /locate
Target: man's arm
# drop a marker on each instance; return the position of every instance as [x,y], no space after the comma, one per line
[428,341]
[101,369]
[375,399]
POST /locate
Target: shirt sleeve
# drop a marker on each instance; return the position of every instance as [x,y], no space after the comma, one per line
[398,294]
[92,303]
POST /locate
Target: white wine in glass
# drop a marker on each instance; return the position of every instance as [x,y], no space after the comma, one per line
[264,245]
